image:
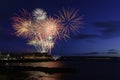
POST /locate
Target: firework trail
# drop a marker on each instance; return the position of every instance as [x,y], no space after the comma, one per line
[42,31]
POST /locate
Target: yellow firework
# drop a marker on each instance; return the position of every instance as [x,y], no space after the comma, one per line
[70,19]
[22,28]
[22,24]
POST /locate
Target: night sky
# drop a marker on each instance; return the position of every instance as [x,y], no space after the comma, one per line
[99,32]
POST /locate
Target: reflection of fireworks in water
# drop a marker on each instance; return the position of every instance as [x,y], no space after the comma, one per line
[70,19]
[37,75]
[41,31]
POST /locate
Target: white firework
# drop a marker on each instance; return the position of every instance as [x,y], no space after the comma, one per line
[39,14]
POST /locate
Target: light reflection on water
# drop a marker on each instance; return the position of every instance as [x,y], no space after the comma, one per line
[84,70]
[51,64]
[38,75]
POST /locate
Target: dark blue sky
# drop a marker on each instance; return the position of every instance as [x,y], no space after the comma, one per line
[100,30]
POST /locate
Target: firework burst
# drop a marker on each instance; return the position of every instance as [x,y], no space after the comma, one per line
[39,14]
[46,33]
[43,31]
[51,28]
[70,19]
[22,24]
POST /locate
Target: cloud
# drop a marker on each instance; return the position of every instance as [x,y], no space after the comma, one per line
[105,30]
[108,29]
[106,24]
[86,36]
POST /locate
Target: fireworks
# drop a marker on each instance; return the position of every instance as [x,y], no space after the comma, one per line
[22,24]
[51,28]
[70,19]
[42,31]
[45,33]
[39,14]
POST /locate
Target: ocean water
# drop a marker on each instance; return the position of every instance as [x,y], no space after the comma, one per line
[64,70]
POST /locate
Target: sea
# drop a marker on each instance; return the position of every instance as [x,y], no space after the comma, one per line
[74,68]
